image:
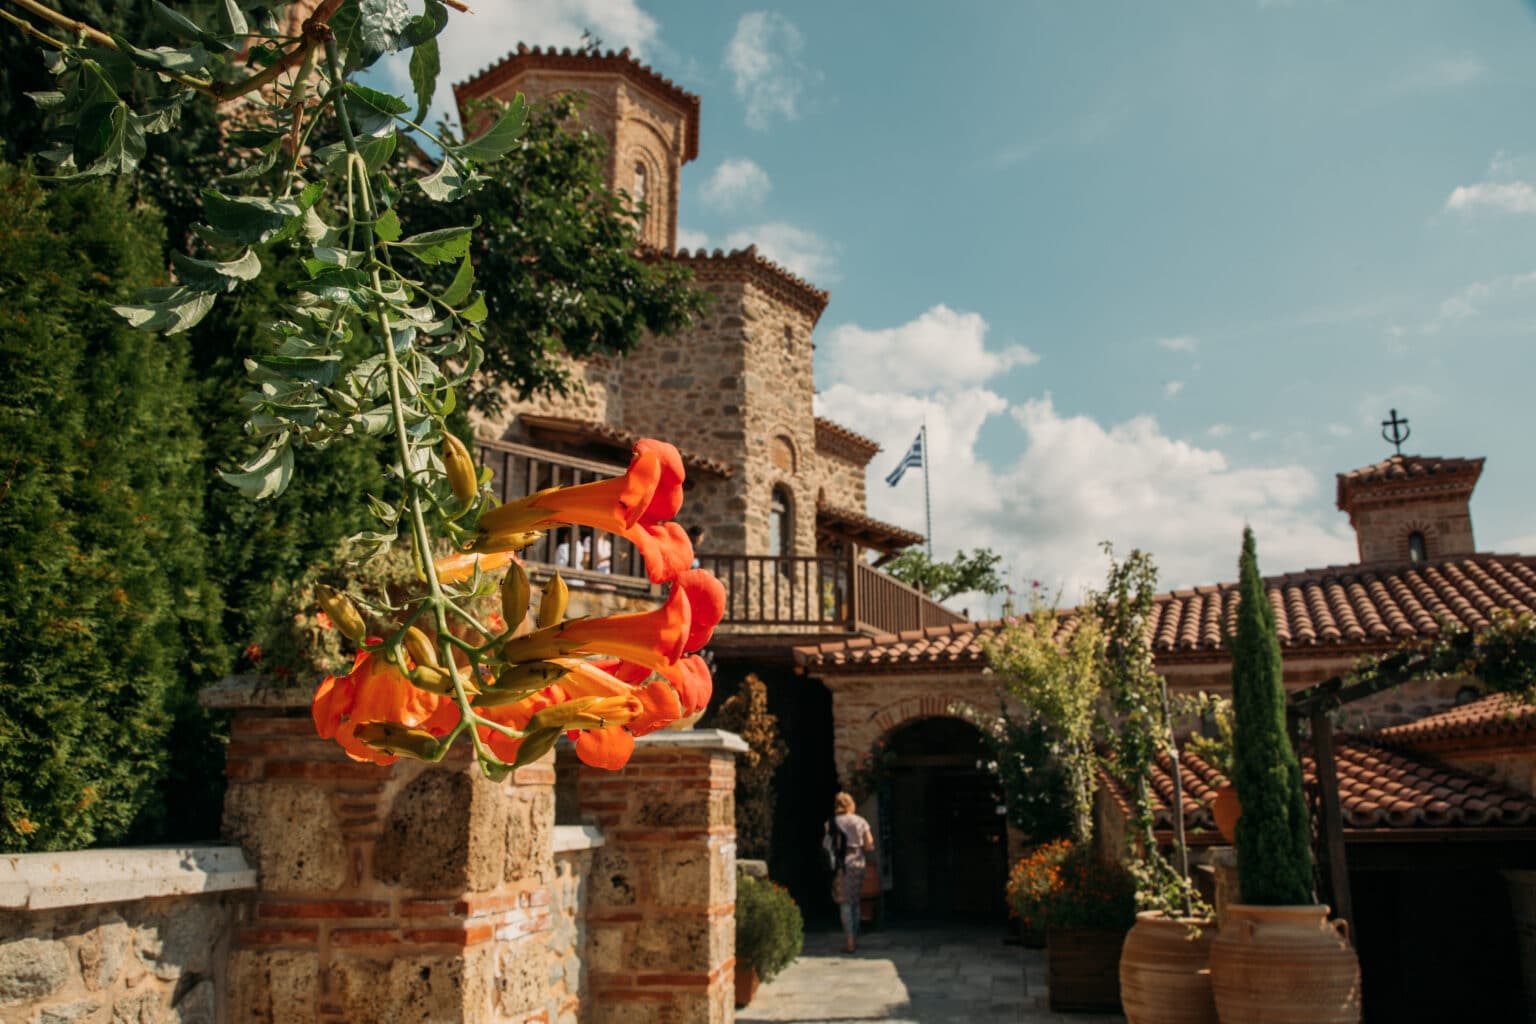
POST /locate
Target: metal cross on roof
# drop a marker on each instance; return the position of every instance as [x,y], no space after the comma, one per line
[1395,431]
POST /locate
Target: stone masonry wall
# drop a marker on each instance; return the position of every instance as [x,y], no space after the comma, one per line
[1382,529]
[568,935]
[153,961]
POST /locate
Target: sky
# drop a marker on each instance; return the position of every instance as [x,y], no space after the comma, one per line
[1148,272]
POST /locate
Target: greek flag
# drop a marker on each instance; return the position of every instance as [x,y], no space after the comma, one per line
[912,460]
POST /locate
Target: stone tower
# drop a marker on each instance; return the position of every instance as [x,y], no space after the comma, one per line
[652,126]
[1411,508]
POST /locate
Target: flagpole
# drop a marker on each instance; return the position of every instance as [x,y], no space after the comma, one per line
[927,501]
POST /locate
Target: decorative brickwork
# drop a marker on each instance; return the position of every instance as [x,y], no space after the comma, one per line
[662,914]
[1390,502]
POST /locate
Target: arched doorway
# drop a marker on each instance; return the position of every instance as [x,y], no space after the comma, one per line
[941,828]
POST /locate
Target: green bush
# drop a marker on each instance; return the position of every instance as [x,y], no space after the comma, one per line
[107,613]
[769,929]
[1090,892]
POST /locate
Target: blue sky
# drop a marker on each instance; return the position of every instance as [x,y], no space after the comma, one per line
[1148,270]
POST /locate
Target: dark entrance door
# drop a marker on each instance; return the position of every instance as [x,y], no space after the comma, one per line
[946,842]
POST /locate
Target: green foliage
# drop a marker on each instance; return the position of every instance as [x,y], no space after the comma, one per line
[1065,885]
[1273,853]
[770,932]
[108,613]
[1060,679]
[943,580]
[869,772]
[1033,879]
[1211,738]
[746,714]
[1024,761]
[558,255]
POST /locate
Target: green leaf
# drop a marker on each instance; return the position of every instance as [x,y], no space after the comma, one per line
[46,100]
[267,475]
[165,58]
[425,28]
[475,311]
[387,227]
[216,276]
[234,19]
[170,310]
[441,246]
[444,184]
[361,98]
[494,143]
[376,152]
[463,281]
[162,115]
[245,220]
[251,172]
[184,26]
[425,66]
[368,29]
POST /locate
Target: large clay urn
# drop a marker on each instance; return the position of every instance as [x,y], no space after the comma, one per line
[1284,965]
[1165,975]
[1226,809]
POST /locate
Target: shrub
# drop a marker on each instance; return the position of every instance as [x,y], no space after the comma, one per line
[1065,885]
[769,929]
[746,714]
[1033,879]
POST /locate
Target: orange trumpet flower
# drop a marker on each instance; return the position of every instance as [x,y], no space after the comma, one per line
[376,691]
[654,638]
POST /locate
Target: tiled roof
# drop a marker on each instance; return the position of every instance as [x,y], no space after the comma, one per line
[1417,473]
[1379,789]
[1494,720]
[865,529]
[1349,610]
[837,439]
[763,272]
[526,58]
[618,437]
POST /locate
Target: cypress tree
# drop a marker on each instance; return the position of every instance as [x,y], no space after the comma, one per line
[107,605]
[1274,857]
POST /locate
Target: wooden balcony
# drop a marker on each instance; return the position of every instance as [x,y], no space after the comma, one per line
[765,594]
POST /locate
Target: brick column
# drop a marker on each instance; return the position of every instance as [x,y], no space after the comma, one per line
[412,892]
[661,921]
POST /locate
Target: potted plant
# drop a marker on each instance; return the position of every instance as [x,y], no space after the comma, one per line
[1088,909]
[1163,964]
[1030,884]
[1277,957]
[769,933]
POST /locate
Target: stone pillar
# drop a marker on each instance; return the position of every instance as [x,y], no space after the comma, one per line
[661,921]
[408,892]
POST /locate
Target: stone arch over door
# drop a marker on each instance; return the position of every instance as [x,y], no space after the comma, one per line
[857,729]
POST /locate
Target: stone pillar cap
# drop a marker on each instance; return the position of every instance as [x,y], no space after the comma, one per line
[695,739]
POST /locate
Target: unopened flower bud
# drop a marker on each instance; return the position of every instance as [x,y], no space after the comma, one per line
[520,681]
[432,679]
[505,540]
[461,469]
[515,595]
[587,713]
[419,646]
[553,601]
[393,738]
[343,613]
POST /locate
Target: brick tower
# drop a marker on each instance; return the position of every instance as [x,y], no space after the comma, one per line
[1411,508]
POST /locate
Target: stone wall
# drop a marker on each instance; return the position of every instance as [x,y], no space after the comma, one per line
[130,936]
[575,846]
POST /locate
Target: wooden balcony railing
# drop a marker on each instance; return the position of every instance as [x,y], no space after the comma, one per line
[826,593]
[764,593]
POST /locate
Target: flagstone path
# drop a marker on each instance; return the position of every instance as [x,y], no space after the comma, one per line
[934,975]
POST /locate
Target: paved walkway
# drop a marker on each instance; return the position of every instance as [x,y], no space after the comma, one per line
[935,975]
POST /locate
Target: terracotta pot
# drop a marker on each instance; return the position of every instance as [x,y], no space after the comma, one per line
[1082,969]
[1226,810]
[1284,965]
[1165,975]
[746,984]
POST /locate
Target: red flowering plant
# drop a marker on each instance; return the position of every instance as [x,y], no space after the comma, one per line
[1066,885]
[374,338]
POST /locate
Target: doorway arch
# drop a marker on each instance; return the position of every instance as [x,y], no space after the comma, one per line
[943,833]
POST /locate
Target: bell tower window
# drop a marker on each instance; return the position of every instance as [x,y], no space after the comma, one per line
[639,191]
[780,524]
[1417,551]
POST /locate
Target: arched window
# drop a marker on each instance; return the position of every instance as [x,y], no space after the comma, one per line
[781,526]
[638,193]
[1417,552]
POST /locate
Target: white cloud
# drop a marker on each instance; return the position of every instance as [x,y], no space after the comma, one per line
[1182,343]
[941,349]
[1172,388]
[764,59]
[736,183]
[475,41]
[1500,196]
[1076,482]
[1522,545]
[1218,430]
[797,249]
[688,239]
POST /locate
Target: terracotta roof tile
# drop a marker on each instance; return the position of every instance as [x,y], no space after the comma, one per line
[768,275]
[1413,473]
[1379,789]
[837,439]
[526,58]
[608,433]
[1351,610]
[1497,719]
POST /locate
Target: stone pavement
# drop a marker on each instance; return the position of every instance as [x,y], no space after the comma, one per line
[914,975]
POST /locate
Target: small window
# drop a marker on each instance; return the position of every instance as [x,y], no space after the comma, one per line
[1417,552]
[789,340]
[780,525]
[639,191]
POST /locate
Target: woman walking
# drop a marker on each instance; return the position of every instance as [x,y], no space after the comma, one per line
[849,839]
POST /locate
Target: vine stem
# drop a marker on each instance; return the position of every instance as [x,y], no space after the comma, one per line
[423,538]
